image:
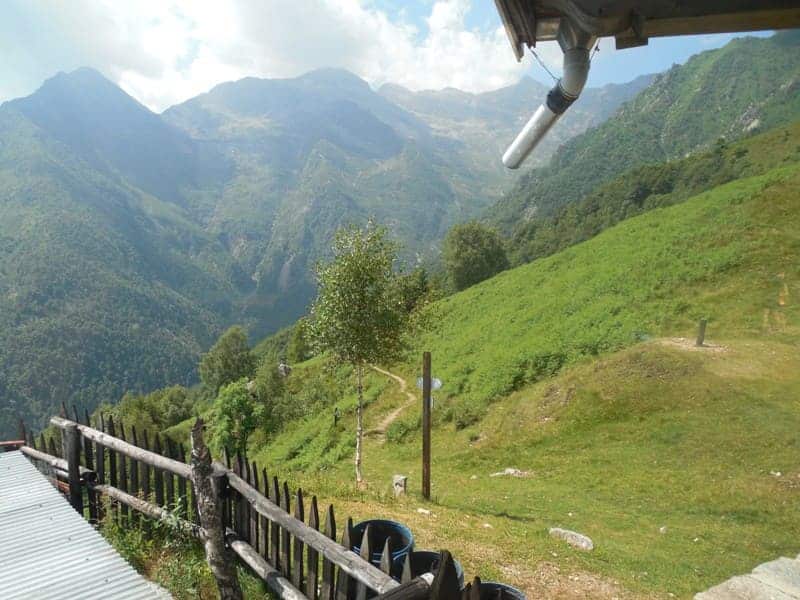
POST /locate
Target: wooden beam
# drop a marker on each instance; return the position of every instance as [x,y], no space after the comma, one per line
[417,589]
[56,463]
[113,443]
[147,508]
[276,582]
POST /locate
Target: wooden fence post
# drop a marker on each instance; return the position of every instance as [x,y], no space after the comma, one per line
[71,444]
[426,425]
[88,455]
[445,584]
[701,332]
[210,488]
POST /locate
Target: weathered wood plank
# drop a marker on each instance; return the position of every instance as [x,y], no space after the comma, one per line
[263,530]
[183,499]
[286,537]
[152,458]
[88,458]
[366,554]
[211,488]
[147,508]
[112,460]
[71,444]
[169,476]
[254,516]
[123,473]
[386,557]
[406,576]
[134,475]
[328,587]
[416,589]
[297,543]
[275,528]
[237,506]
[100,454]
[246,525]
[312,557]
[445,585]
[276,582]
[344,584]
[158,479]
[56,463]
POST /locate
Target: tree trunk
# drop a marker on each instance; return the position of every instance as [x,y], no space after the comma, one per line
[359,422]
[208,490]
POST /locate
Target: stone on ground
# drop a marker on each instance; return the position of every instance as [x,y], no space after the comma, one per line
[573,538]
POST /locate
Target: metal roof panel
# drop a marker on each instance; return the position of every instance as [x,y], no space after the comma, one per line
[48,550]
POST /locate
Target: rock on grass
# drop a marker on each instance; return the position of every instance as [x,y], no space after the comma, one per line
[574,539]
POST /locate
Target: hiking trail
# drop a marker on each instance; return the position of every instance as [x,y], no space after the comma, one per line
[380,430]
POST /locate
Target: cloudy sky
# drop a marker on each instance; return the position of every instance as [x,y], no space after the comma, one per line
[165,51]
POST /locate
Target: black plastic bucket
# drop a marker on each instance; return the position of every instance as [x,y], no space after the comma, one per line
[424,561]
[402,540]
[491,590]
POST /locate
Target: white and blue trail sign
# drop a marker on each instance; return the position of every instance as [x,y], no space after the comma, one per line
[436,384]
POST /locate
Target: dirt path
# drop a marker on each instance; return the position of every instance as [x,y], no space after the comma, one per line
[380,430]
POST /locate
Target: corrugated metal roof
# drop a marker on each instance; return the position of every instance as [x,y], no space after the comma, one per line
[48,550]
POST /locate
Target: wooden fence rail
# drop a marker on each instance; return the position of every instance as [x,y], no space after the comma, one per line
[275,532]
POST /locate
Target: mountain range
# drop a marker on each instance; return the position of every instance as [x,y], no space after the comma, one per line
[129,239]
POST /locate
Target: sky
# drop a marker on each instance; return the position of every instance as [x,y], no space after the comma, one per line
[163,52]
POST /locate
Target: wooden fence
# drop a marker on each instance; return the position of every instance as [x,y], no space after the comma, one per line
[277,532]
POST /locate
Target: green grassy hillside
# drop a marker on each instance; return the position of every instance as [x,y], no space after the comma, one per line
[680,463]
[652,186]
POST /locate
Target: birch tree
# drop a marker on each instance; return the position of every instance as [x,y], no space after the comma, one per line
[358,315]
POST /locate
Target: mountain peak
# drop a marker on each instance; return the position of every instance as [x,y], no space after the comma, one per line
[334,76]
[82,90]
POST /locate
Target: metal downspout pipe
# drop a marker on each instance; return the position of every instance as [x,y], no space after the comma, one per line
[575,44]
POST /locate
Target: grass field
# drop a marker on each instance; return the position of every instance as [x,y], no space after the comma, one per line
[567,368]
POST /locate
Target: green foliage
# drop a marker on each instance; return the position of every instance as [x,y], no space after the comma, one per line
[473,252]
[228,360]
[636,280]
[278,404]
[618,443]
[155,411]
[416,289]
[298,349]
[235,414]
[358,315]
[172,559]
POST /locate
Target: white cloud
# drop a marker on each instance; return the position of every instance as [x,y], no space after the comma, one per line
[163,52]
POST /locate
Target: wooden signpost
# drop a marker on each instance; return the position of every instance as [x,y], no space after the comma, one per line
[426,425]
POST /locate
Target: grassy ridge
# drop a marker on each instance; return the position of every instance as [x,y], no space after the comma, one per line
[654,186]
[719,256]
[559,368]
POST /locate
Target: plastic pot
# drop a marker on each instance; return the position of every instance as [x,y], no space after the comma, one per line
[402,540]
[492,590]
[424,561]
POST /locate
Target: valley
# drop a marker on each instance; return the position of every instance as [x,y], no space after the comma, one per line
[129,240]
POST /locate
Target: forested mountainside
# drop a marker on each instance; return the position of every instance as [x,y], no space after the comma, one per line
[749,85]
[129,239]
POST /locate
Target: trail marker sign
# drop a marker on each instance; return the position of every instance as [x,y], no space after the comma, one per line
[436,384]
